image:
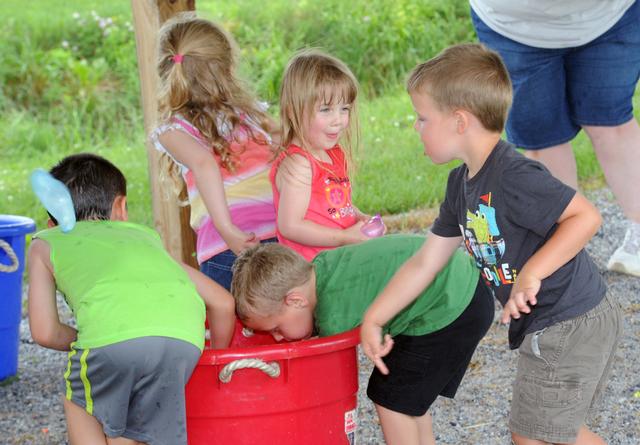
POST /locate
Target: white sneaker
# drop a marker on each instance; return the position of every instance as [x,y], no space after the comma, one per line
[626,258]
[624,262]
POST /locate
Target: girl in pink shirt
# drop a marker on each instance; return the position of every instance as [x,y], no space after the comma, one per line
[215,137]
[310,176]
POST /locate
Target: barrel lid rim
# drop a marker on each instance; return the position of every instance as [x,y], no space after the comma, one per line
[16,224]
[284,350]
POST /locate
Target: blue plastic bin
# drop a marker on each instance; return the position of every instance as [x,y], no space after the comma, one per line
[12,241]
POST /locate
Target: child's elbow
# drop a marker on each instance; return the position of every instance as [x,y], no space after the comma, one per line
[222,304]
[42,337]
[288,229]
[228,306]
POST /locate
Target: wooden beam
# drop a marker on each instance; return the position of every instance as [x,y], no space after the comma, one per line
[170,220]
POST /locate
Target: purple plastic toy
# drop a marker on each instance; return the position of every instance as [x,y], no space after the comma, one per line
[374,227]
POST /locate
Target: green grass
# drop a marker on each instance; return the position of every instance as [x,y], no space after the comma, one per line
[69,83]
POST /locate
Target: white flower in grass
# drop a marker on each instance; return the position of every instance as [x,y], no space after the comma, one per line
[396,124]
[372,118]
[378,140]
[65,44]
[76,15]
[366,18]
[410,117]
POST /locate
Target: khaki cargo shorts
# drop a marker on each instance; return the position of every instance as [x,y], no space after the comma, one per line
[562,372]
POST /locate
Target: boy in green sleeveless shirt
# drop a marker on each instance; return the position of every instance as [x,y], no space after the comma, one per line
[139,314]
[277,291]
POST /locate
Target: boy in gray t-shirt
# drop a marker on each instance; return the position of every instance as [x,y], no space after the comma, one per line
[527,232]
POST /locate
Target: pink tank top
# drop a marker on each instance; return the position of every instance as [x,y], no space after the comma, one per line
[330,201]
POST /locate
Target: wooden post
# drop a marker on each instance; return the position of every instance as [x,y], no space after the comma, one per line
[170,220]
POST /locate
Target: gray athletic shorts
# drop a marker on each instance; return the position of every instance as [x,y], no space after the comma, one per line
[562,372]
[134,388]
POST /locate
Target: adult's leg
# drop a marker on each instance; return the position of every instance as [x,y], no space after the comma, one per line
[601,82]
[401,429]
[618,151]
[560,161]
[540,118]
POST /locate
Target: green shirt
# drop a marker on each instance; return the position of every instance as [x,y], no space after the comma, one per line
[349,278]
[121,284]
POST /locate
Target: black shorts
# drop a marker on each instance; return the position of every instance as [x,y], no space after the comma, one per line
[423,367]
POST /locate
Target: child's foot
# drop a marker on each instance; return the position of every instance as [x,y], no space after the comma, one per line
[626,258]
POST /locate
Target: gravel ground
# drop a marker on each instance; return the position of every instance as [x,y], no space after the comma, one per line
[31,411]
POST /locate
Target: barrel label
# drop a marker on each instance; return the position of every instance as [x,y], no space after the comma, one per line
[350,426]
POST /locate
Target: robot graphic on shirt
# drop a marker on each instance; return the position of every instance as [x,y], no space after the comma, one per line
[483,241]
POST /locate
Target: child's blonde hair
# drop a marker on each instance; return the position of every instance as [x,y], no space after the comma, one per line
[196,65]
[262,277]
[313,77]
[467,76]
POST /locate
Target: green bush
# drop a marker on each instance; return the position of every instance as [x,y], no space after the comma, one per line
[69,83]
[379,40]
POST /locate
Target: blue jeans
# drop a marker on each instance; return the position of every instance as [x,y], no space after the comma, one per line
[557,91]
[218,267]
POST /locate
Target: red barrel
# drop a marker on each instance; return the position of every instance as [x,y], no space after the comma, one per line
[302,392]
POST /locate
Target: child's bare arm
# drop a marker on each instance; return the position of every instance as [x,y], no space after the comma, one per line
[44,321]
[576,226]
[405,286]
[210,185]
[220,307]
[293,181]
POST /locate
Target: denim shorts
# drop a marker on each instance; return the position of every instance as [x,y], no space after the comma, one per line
[557,91]
[218,267]
[562,372]
[423,367]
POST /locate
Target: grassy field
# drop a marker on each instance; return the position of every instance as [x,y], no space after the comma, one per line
[69,83]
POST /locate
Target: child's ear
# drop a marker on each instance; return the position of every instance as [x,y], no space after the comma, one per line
[296,299]
[462,121]
[50,223]
[119,209]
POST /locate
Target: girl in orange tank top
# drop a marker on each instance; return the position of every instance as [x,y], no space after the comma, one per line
[310,176]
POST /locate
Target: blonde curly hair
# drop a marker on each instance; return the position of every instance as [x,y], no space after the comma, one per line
[196,66]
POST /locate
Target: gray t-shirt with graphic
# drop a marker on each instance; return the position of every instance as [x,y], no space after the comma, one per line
[505,213]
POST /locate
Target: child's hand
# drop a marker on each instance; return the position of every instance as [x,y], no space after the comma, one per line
[362,216]
[239,241]
[374,345]
[354,233]
[523,295]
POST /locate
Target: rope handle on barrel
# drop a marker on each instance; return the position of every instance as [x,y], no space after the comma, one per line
[12,256]
[271,369]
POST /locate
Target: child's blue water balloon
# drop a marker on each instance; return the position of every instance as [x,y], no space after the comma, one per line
[55,197]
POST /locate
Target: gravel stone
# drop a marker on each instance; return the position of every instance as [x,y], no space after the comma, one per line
[31,409]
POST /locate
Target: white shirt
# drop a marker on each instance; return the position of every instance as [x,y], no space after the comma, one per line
[551,23]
